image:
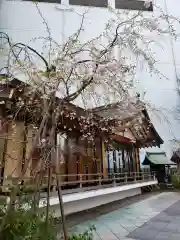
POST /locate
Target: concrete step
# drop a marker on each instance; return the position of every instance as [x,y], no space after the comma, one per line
[169,186]
[166,185]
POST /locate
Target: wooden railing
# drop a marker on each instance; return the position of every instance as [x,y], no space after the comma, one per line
[99,179]
[85,180]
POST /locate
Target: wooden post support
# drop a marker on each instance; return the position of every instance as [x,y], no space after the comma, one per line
[125,177]
[80,178]
[154,176]
[114,179]
[150,176]
[143,176]
[99,177]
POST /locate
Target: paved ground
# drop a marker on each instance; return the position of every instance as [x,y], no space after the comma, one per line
[166,225]
[157,217]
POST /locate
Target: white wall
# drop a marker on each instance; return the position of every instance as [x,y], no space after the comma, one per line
[162,94]
[85,204]
[77,202]
[23,23]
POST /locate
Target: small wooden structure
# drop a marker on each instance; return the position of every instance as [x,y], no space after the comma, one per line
[159,163]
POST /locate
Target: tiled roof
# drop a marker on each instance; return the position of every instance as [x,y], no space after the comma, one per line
[158,158]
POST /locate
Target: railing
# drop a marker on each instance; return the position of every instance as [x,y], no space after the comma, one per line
[76,181]
[113,178]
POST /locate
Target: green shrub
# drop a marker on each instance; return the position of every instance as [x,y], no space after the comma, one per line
[176,180]
[87,235]
[22,223]
[25,189]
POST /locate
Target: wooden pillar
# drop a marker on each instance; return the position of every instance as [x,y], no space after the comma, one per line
[61,151]
[71,159]
[104,159]
[89,160]
[122,162]
[77,157]
[14,150]
[3,144]
[132,160]
[134,167]
[3,140]
[137,159]
[81,158]
[28,149]
[114,161]
[95,149]
[66,157]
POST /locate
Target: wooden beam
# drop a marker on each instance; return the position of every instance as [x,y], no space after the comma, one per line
[135,133]
[144,131]
[104,159]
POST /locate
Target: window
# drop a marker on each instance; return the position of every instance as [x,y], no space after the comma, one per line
[132,5]
[49,1]
[93,3]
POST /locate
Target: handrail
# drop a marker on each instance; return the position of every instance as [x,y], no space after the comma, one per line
[83,174]
[84,180]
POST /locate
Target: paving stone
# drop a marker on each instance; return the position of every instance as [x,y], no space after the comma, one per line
[126,221]
[156,225]
[144,218]
[162,236]
[167,220]
[167,236]
[106,235]
[96,236]
[175,236]
[101,227]
[125,238]
[117,230]
[130,217]
[176,221]
[114,225]
[177,218]
[129,226]
[178,229]
[154,218]
[143,234]
[122,233]
[139,223]
[172,227]
[78,229]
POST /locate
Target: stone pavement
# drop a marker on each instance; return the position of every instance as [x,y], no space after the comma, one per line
[157,217]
